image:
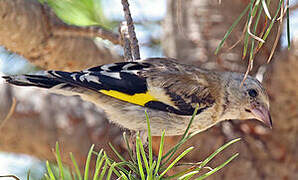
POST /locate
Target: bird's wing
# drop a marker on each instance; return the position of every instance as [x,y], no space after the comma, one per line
[157,84]
[179,94]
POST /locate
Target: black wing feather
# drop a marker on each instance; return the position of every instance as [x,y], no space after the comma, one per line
[128,83]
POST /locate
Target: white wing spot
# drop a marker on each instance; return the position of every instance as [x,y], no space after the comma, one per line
[131,71]
[83,77]
[125,67]
[74,76]
[92,79]
[107,66]
[115,75]
[55,74]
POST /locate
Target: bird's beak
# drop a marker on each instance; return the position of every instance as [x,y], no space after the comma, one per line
[262,113]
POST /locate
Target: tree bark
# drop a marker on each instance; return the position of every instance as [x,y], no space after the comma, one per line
[26,29]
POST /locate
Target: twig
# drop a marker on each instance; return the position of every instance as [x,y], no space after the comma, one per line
[10,176]
[266,9]
[249,68]
[248,28]
[261,34]
[123,30]
[240,39]
[11,111]
[89,31]
[282,13]
[131,31]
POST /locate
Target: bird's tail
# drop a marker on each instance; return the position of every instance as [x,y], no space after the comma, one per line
[56,81]
[42,81]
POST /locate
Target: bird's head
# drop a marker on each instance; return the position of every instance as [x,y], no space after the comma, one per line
[246,101]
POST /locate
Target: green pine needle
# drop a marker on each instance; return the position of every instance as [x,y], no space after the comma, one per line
[142,168]
[76,167]
[176,160]
[139,159]
[271,24]
[288,26]
[50,172]
[160,152]
[230,30]
[86,174]
[217,168]
[59,161]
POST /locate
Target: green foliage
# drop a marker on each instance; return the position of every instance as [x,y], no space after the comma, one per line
[78,12]
[256,8]
[143,166]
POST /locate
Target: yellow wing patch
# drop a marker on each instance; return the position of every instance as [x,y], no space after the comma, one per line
[139,98]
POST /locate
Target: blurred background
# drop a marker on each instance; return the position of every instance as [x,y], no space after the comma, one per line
[187,30]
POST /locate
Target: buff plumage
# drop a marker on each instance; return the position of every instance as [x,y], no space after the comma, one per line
[169,91]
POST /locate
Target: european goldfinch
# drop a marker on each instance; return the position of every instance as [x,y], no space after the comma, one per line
[168,90]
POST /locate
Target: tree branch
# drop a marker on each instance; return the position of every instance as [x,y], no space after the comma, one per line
[131,31]
[90,32]
[29,29]
[123,30]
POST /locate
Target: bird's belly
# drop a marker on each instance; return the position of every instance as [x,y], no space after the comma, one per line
[133,117]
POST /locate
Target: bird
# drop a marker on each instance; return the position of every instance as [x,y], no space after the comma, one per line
[167,89]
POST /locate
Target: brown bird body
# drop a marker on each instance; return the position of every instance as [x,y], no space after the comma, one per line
[168,90]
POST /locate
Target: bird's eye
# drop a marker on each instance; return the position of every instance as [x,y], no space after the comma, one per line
[252,93]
